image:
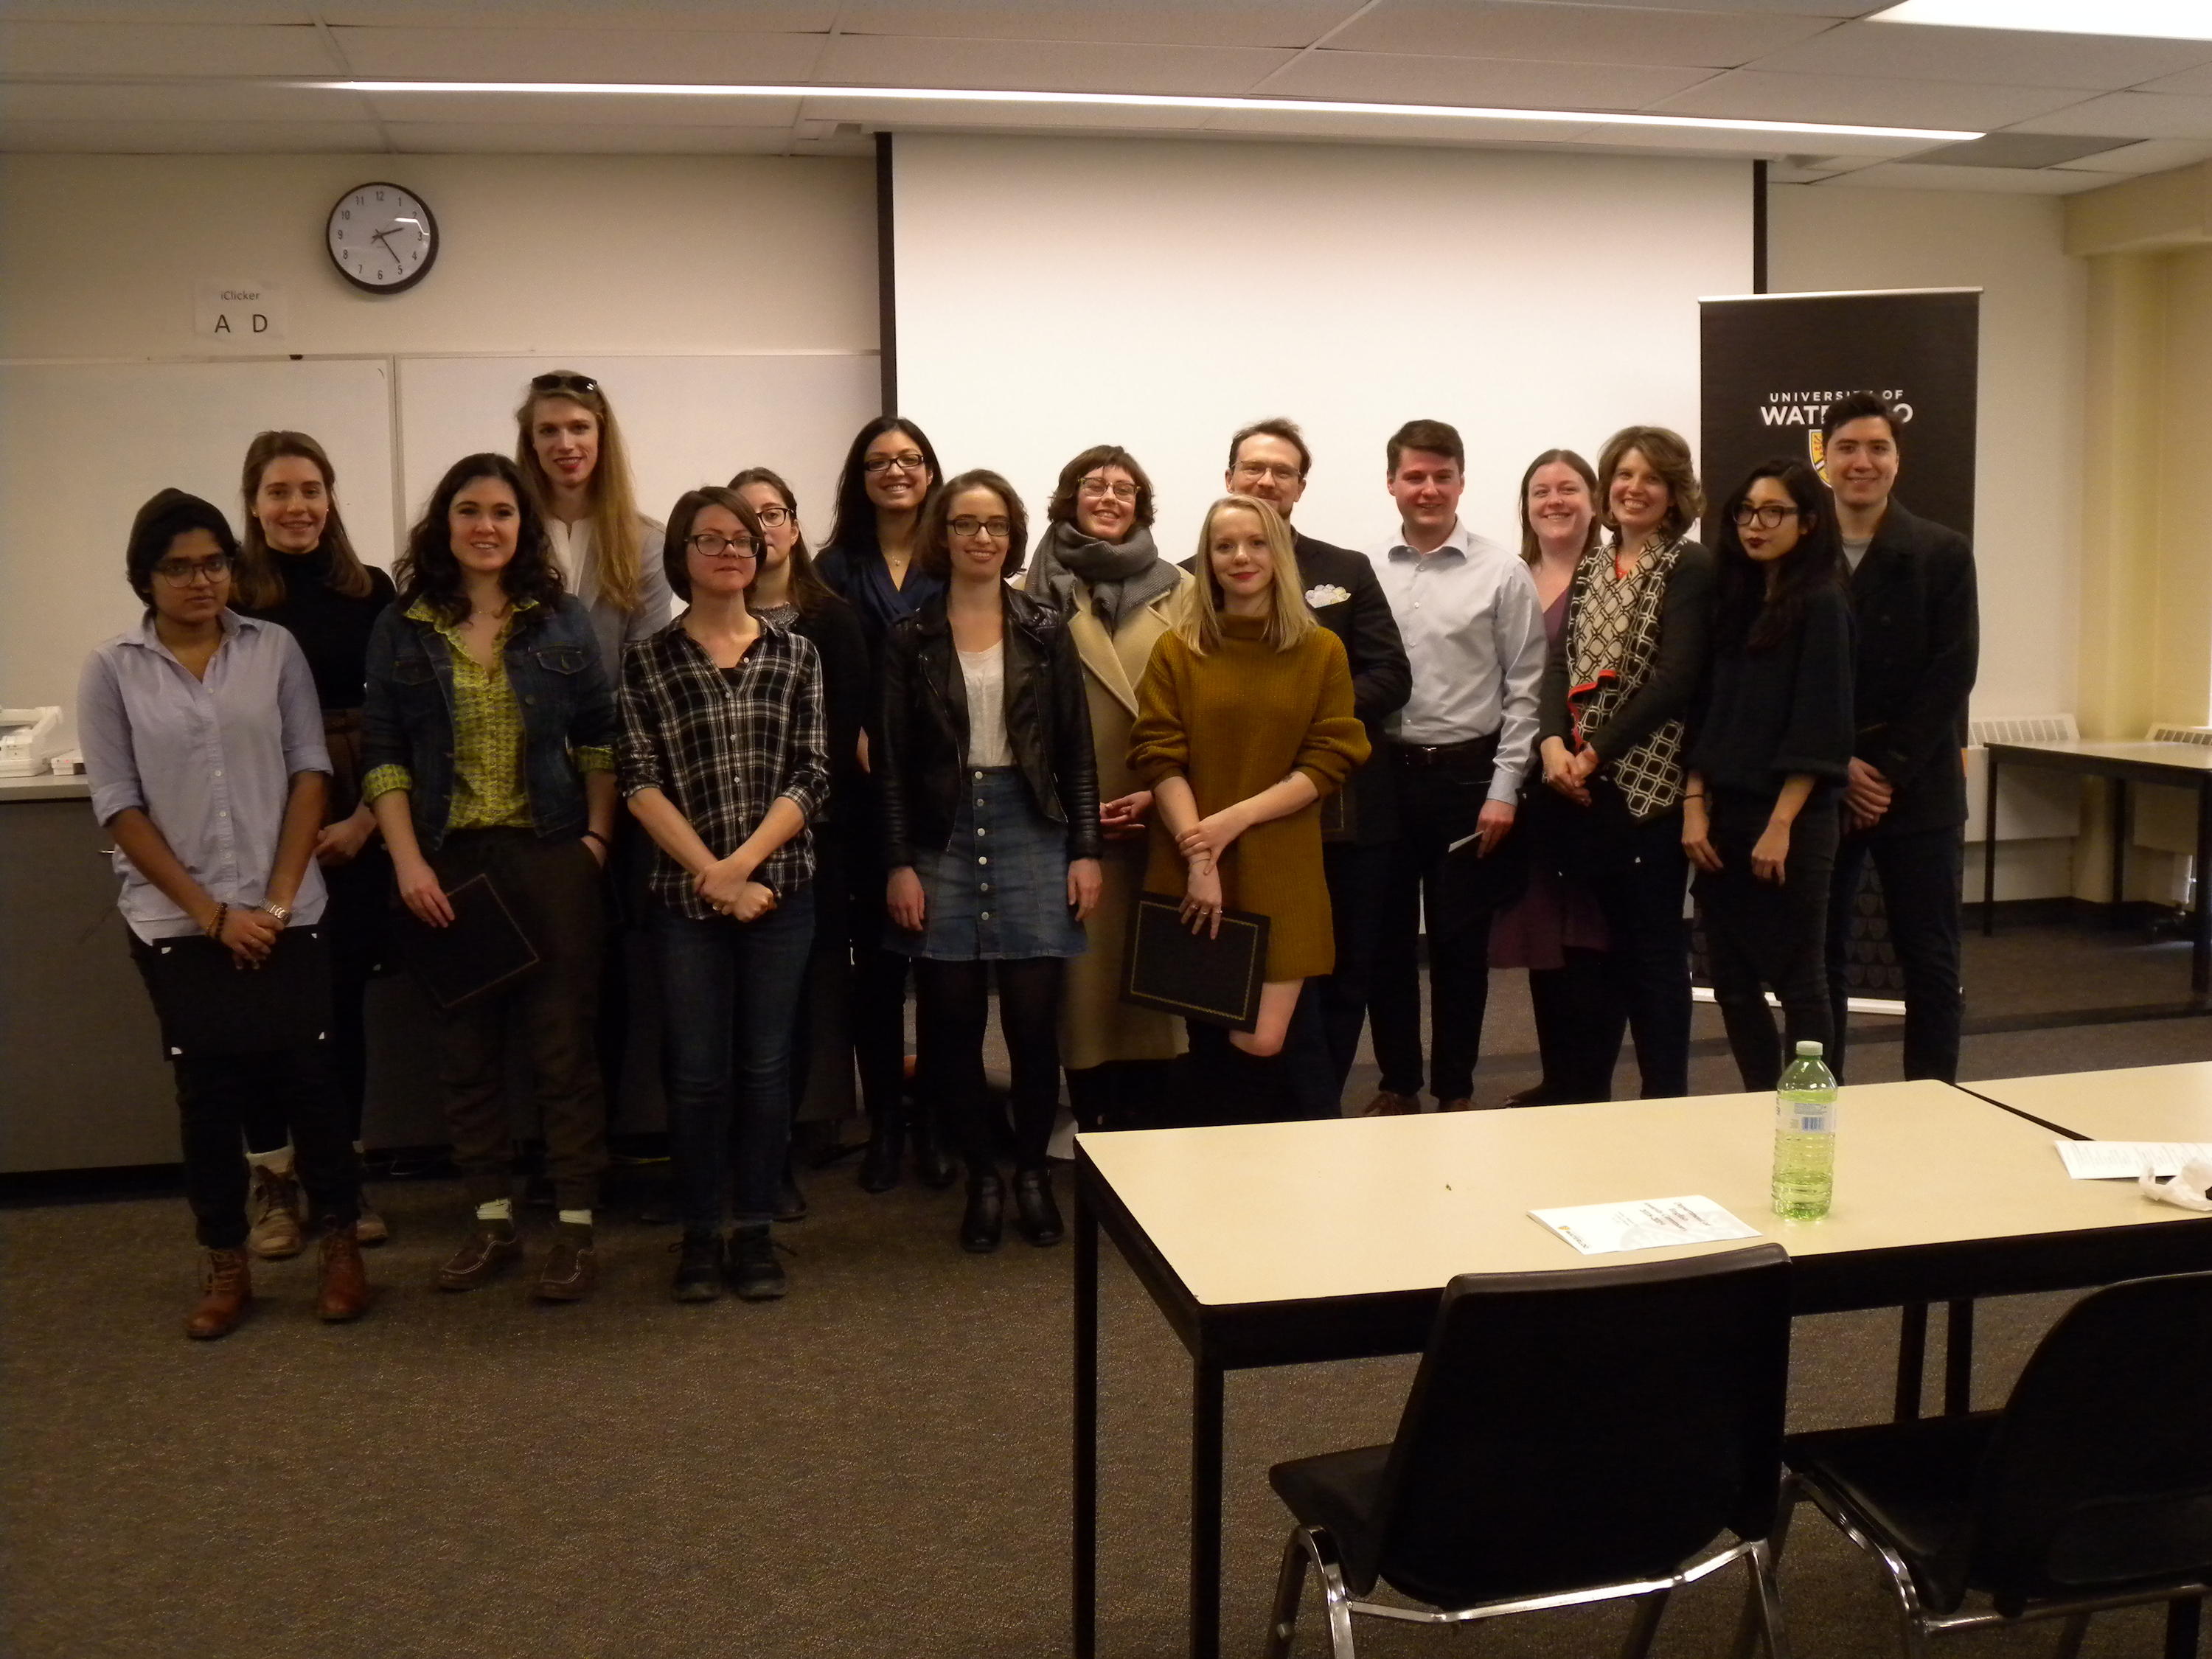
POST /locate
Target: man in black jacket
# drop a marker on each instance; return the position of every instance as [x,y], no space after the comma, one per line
[1269,460]
[1913,582]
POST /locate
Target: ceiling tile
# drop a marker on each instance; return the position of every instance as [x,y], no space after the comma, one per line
[561,138]
[574,54]
[1830,8]
[1574,33]
[580,110]
[2198,81]
[1751,146]
[1001,118]
[1755,95]
[760,17]
[160,11]
[1905,175]
[1921,52]
[191,137]
[2018,151]
[2150,155]
[1293,123]
[162,49]
[1045,66]
[1156,23]
[2132,115]
[1398,78]
[176,100]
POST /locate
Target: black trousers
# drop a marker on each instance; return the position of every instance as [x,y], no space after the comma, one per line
[1580,1023]
[1324,1035]
[1636,872]
[1758,935]
[1920,873]
[353,924]
[952,1006]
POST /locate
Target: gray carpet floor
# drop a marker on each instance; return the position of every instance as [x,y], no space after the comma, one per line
[876,1466]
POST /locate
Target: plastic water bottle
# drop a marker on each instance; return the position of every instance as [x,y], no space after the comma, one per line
[1805,1137]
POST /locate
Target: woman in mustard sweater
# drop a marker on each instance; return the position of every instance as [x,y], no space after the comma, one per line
[1244,723]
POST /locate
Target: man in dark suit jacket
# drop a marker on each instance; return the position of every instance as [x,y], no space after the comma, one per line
[1269,460]
[1904,806]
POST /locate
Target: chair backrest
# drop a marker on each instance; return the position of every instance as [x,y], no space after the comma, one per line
[1585,1427]
[2099,1474]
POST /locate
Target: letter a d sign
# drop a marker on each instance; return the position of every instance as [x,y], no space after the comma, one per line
[246,314]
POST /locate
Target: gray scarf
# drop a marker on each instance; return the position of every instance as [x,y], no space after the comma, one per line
[1123,577]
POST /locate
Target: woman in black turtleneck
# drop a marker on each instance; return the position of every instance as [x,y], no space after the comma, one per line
[298,569]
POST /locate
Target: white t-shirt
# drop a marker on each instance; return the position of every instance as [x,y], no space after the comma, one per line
[984,673]
[572,551]
[1854,551]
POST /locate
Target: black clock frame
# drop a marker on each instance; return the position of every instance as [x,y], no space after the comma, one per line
[411,278]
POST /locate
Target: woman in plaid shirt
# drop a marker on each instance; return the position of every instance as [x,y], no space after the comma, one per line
[725,761]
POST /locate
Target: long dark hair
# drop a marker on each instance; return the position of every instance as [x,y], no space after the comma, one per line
[853,532]
[808,591]
[260,583]
[1749,618]
[428,570]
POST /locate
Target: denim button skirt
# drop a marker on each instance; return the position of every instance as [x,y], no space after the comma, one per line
[999,890]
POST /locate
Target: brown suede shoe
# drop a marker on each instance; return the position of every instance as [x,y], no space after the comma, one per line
[483,1254]
[343,1293]
[571,1268]
[1388,1105]
[226,1296]
[274,1208]
[1463,1103]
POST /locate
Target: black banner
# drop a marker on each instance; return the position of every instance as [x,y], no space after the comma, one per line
[1773,363]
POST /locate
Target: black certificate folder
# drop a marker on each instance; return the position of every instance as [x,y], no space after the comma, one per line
[1214,981]
[483,949]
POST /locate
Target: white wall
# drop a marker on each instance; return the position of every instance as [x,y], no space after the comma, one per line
[1054,293]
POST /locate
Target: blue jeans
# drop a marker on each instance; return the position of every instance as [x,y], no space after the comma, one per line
[729,998]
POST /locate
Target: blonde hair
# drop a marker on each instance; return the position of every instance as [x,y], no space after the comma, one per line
[614,501]
[1198,606]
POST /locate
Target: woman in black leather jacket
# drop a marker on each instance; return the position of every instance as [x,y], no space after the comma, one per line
[990,821]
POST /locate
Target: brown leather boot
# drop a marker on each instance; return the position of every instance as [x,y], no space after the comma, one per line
[343,1293]
[225,1295]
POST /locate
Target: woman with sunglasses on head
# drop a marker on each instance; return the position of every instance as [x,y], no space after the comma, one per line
[990,823]
[489,734]
[1770,745]
[203,751]
[1247,723]
[889,472]
[1616,694]
[1097,565]
[297,569]
[724,764]
[789,593]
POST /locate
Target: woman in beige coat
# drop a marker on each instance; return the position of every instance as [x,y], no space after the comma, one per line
[1096,562]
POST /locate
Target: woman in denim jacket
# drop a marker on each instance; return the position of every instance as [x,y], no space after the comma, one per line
[489,739]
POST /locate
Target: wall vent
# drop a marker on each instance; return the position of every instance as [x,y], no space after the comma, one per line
[2200,735]
[2023,728]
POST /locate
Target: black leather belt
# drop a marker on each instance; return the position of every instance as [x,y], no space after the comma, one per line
[1474,751]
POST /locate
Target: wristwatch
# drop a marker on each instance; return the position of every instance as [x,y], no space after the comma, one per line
[283,916]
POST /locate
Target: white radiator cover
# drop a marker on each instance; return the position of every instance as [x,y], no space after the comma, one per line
[2033,804]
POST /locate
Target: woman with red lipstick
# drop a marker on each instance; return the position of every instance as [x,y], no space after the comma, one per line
[1245,722]
[1769,744]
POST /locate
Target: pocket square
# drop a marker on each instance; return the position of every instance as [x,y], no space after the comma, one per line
[1326,593]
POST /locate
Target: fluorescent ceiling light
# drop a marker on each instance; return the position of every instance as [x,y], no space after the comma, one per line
[2170,20]
[1156,100]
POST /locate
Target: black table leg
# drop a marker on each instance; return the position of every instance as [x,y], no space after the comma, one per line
[2121,830]
[2200,948]
[1959,1358]
[2182,1619]
[1086,1427]
[1912,1358]
[1989,844]
[1204,1510]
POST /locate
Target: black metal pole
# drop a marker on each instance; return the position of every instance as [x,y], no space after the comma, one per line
[887,275]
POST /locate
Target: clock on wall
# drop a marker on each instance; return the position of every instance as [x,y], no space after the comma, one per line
[382,238]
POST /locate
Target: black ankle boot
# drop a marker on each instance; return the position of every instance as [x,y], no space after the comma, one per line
[879,1164]
[985,1221]
[933,1165]
[1035,1213]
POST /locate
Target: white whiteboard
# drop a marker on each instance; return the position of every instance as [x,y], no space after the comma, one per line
[687,421]
[1159,294]
[85,444]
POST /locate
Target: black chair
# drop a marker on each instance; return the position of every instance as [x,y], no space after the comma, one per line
[2091,1489]
[1572,1437]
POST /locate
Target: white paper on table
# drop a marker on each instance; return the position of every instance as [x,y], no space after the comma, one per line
[2123,1160]
[1648,1223]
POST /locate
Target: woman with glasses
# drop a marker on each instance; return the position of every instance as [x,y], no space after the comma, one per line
[1097,565]
[1769,744]
[488,735]
[297,569]
[870,563]
[1247,723]
[1616,694]
[789,593]
[725,763]
[990,815]
[203,750]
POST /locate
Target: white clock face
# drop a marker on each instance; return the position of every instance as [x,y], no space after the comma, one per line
[382,238]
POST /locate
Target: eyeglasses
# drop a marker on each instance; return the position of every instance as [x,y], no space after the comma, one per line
[1769,517]
[997,529]
[910,461]
[708,546]
[1097,489]
[184,573]
[1253,471]
[564,382]
[774,518]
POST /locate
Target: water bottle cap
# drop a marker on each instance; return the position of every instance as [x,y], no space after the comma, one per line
[1808,1051]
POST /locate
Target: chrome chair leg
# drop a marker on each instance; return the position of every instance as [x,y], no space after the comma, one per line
[2070,1636]
[1335,1599]
[1755,1620]
[1290,1587]
[1645,1627]
[1768,1591]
